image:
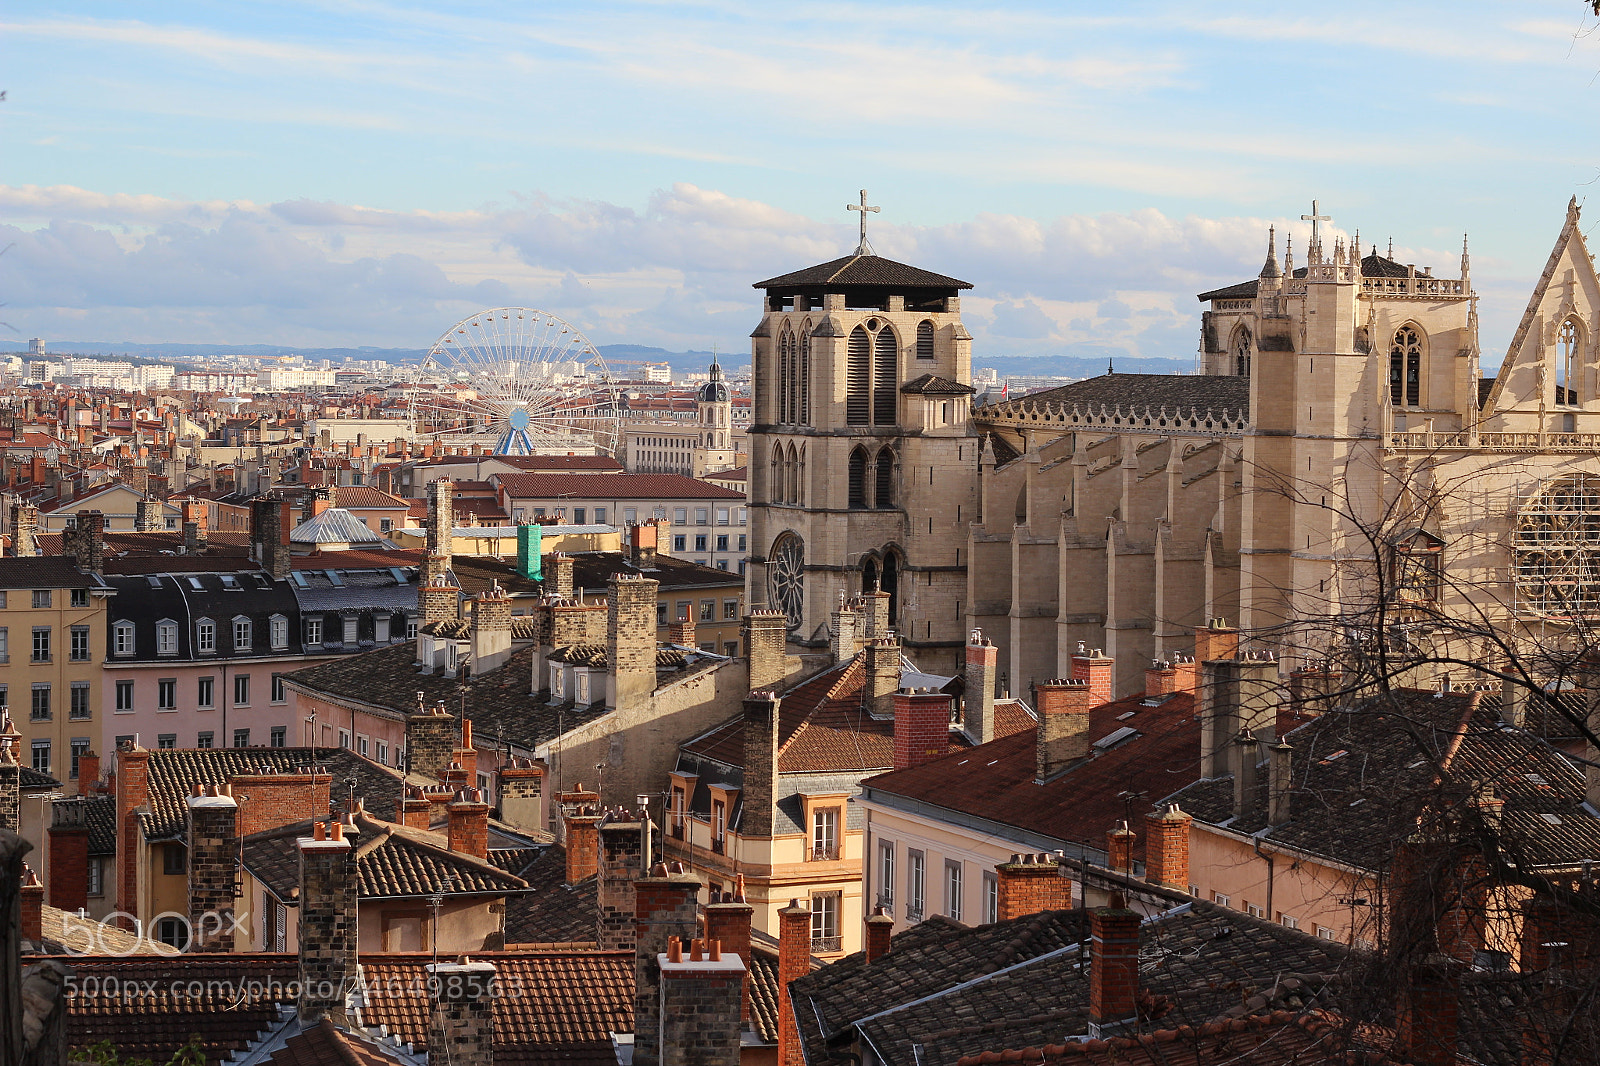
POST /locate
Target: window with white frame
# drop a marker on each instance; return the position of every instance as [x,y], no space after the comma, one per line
[122,639]
[581,697]
[278,629]
[991,897]
[886,875]
[206,693]
[166,637]
[205,637]
[5,644]
[954,883]
[824,834]
[314,630]
[557,690]
[1221,899]
[825,921]
[349,634]
[916,884]
[243,633]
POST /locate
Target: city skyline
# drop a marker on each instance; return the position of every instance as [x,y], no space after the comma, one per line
[319,176]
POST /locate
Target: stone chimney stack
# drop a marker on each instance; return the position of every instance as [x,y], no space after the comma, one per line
[665,906]
[522,793]
[461,1013]
[699,1010]
[87,541]
[441,518]
[1235,695]
[766,633]
[328,925]
[24,530]
[1166,848]
[621,864]
[491,630]
[1280,784]
[1216,641]
[1097,670]
[270,525]
[195,519]
[842,639]
[1247,759]
[213,867]
[558,574]
[468,827]
[760,764]
[430,740]
[876,608]
[438,602]
[921,726]
[149,516]
[1029,884]
[1114,966]
[630,642]
[981,671]
[1063,730]
[10,777]
[883,675]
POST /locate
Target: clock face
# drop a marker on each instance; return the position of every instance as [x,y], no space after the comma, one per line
[786,577]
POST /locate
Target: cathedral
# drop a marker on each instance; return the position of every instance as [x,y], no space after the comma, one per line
[1340,404]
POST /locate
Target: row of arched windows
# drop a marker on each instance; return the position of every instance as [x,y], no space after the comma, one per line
[794,376]
[788,474]
[1569,363]
[871,478]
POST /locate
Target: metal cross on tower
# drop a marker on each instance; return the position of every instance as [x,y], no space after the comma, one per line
[866,249]
[1316,234]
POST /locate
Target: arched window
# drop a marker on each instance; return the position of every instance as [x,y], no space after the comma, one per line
[883,494]
[890,583]
[858,379]
[800,478]
[785,369]
[1405,368]
[885,378]
[1569,364]
[1557,548]
[803,372]
[793,493]
[775,481]
[869,575]
[786,577]
[925,339]
[858,478]
[1241,353]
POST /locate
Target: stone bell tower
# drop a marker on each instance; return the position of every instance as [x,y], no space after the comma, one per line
[863,459]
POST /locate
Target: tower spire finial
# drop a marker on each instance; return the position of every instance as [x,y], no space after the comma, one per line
[865,247]
[1288,254]
[1391,249]
[1466,261]
[1269,269]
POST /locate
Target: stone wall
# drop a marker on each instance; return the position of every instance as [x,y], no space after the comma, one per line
[213,865]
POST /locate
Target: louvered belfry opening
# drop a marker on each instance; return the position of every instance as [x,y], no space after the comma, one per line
[858,379]
[785,370]
[884,494]
[858,478]
[885,360]
[924,339]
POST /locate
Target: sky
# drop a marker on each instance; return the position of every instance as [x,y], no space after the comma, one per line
[368,173]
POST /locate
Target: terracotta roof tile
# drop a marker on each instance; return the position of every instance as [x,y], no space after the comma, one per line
[552,912]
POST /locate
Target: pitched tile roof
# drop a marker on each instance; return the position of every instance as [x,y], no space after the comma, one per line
[79,937]
[958,991]
[498,702]
[560,462]
[325,1045]
[365,497]
[996,781]
[933,385]
[551,911]
[591,571]
[42,572]
[611,487]
[1173,392]
[858,271]
[174,773]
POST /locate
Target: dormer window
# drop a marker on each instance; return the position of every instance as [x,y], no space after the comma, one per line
[581,697]
[205,637]
[166,637]
[243,633]
[558,690]
[122,639]
[278,627]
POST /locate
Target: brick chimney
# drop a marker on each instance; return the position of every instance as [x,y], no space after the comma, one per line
[699,1010]
[879,935]
[921,726]
[794,961]
[69,854]
[1119,847]
[665,906]
[132,792]
[1166,848]
[1166,676]
[728,916]
[468,829]
[580,819]
[766,633]
[642,546]
[1097,669]
[883,675]
[10,776]
[149,516]
[680,631]
[213,840]
[1427,1021]
[760,764]
[270,524]
[88,772]
[31,899]
[1063,732]
[328,924]
[558,574]
[630,641]
[274,800]
[195,520]
[24,530]
[979,675]
[1114,966]
[844,625]
[521,793]
[1029,884]
[465,756]
[87,541]
[438,602]
[461,1012]
[621,855]
[1215,641]
[430,740]
[416,811]
[491,630]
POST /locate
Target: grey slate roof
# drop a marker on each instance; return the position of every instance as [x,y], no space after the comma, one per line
[863,271]
[1202,392]
[333,526]
[933,385]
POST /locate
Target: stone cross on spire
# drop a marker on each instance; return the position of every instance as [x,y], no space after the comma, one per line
[1314,218]
[865,248]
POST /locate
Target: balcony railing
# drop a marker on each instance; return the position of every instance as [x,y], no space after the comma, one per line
[677,829]
[886,901]
[822,945]
[719,845]
[824,852]
[914,913]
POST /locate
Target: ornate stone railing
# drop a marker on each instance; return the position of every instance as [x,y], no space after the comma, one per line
[1414,286]
[1025,412]
[1463,440]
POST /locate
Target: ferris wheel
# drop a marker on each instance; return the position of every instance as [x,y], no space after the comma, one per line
[522,379]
